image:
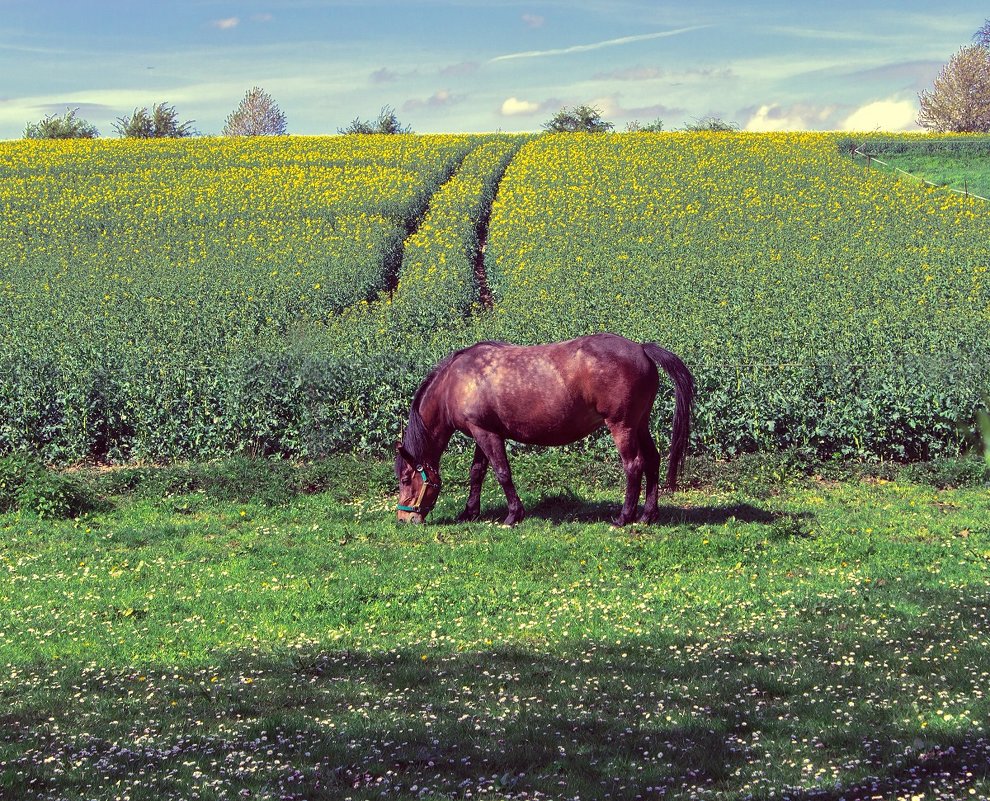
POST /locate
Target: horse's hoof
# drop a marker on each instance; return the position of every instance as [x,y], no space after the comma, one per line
[468,517]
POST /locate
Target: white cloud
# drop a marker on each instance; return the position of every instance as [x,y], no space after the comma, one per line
[798,117]
[227,23]
[533,20]
[514,107]
[885,115]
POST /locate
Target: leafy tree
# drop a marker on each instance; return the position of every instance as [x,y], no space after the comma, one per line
[712,124]
[67,126]
[586,119]
[161,122]
[651,127]
[257,115]
[387,123]
[959,101]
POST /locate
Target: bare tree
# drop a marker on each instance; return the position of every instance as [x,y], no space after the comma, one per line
[959,101]
[257,115]
[982,36]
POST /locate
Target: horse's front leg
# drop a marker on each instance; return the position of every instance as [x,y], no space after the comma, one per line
[478,469]
[493,447]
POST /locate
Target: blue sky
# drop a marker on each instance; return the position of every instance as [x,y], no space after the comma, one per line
[468,65]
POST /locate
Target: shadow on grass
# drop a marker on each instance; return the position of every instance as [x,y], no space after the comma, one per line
[673,717]
[566,507]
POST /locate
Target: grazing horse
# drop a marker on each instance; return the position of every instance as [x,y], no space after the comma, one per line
[542,395]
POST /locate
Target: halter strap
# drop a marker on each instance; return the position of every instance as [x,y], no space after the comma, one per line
[417,505]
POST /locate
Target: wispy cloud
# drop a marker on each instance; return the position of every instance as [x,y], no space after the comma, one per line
[384,75]
[821,34]
[461,69]
[623,40]
[440,99]
[227,23]
[641,73]
[533,20]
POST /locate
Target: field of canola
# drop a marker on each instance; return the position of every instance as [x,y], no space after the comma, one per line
[821,305]
[188,299]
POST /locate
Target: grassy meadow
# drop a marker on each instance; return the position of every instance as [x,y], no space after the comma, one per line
[261,630]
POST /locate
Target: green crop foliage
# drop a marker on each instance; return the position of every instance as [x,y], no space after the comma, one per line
[191,299]
[822,306]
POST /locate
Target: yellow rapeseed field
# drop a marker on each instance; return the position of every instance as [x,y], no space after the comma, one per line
[194,297]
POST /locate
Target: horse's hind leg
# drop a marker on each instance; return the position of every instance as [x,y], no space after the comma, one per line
[493,447]
[651,469]
[478,469]
[627,440]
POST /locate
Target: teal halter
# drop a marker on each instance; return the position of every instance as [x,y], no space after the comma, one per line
[417,506]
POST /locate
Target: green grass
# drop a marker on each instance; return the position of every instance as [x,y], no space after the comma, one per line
[256,629]
[959,163]
[964,173]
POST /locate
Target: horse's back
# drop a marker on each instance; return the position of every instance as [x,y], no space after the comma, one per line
[550,394]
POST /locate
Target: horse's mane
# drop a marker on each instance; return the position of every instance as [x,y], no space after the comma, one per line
[416,439]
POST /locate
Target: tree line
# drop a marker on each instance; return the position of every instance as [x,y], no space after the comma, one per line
[958,102]
[256,115]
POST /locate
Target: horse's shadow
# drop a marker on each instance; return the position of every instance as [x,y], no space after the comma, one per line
[566,507]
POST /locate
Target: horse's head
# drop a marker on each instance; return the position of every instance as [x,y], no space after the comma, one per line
[419,486]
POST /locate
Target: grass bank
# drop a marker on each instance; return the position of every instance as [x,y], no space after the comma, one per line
[957,162]
[255,629]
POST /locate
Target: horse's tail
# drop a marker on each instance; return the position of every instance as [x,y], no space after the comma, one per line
[684,394]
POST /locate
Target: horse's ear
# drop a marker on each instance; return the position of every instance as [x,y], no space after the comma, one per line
[406,456]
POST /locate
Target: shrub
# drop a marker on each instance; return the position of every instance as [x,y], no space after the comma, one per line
[580,119]
[67,126]
[27,485]
[650,127]
[161,122]
[387,123]
[711,124]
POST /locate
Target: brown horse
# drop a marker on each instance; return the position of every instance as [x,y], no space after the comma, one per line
[542,395]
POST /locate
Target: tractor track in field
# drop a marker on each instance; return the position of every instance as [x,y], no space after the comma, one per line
[485,295]
[476,248]
[393,265]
